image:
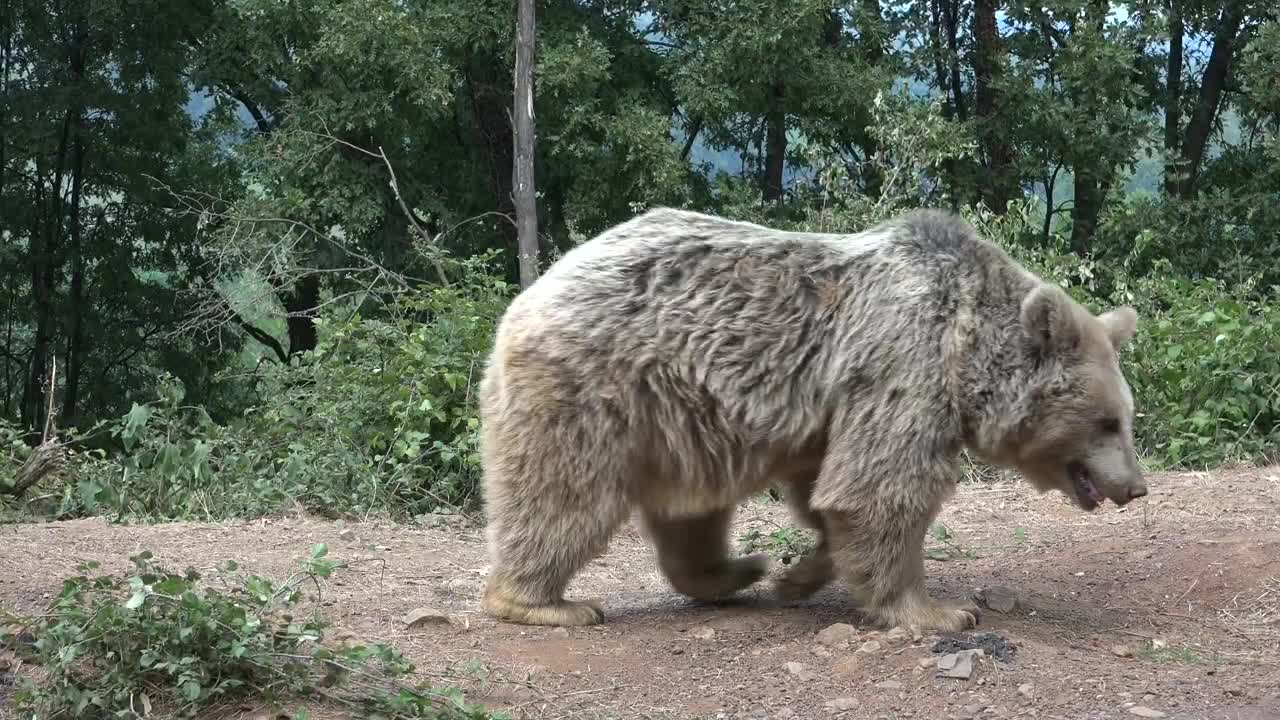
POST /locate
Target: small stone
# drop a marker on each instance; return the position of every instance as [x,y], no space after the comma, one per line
[821,652]
[1234,690]
[1143,711]
[703,633]
[795,668]
[968,712]
[559,632]
[347,534]
[837,634]
[848,667]
[786,712]
[425,616]
[925,662]
[1025,689]
[958,664]
[1001,599]
[889,685]
[898,635]
[1121,651]
[844,704]
[870,647]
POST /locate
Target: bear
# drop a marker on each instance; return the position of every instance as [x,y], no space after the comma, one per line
[678,363]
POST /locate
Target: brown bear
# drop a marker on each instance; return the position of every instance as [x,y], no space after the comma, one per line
[679,363]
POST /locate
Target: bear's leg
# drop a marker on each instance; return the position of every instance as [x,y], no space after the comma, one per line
[882,561]
[815,570]
[550,512]
[693,553]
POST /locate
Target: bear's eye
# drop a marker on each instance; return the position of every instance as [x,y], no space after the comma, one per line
[1110,426]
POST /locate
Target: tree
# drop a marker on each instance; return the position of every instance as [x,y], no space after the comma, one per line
[523,137]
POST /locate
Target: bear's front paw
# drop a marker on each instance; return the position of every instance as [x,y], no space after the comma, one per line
[806,578]
[928,615]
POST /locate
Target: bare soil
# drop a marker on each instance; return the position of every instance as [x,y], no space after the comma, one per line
[1193,568]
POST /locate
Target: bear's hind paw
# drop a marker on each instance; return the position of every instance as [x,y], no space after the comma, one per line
[934,616]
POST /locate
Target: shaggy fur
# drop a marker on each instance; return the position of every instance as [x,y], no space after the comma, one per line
[679,363]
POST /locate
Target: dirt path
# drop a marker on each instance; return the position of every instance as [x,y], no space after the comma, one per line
[1195,566]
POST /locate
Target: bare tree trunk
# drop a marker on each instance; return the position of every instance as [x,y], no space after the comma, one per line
[1173,98]
[525,199]
[300,306]
[999,187]
[951,14]
[1225,41]
[76,300]
[775,144]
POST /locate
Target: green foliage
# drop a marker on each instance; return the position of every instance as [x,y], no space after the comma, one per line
[157,640]
[786,543]
[380,418]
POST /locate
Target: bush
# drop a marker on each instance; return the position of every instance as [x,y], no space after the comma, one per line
[159,641]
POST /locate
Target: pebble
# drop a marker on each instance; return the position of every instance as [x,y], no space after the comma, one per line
[560,632]
[1025,689]
[703,633]
[968,712]
[1121,651]
[1143,711]
[870,647]
[837,634]
[425,616]
[844,703]
[889,685]
[1001,599]
[898,635]
[347,534]
[795,668]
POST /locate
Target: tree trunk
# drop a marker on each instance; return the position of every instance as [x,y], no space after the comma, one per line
[1212,84]
[775,144]
[951,14]
[300,305]
[1090,195]
[525,198]
[1173,98]
[76,300]
[44,276]
[999,187]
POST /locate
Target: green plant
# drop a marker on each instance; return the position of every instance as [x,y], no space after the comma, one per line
[155,640]
[785,543]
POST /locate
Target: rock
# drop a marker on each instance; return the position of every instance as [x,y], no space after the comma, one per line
[786,712]
[1121,651]
[844,704]
[1025,689]
[848,667]
[958,664]
[889,685]
[1001,599]
[559,632]
[703,633]
[795,668]
[968,712]
[425,616]
[898,635]
[347,534]
[837,634]
[925,662]
[1143,711]
[1235,690]
[870,647]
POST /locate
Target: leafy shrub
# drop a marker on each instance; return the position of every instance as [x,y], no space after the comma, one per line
[157,640]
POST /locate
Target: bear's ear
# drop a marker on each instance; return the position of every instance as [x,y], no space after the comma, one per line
[1121,324]
[1048,320]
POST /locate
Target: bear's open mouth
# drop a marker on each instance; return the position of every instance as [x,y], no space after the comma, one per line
[1086,493]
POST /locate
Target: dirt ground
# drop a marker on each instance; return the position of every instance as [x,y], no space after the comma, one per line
[1167,608]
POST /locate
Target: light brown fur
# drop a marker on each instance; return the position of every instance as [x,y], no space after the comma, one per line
[680,363]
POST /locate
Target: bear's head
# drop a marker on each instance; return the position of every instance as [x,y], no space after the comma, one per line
[1074,425]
